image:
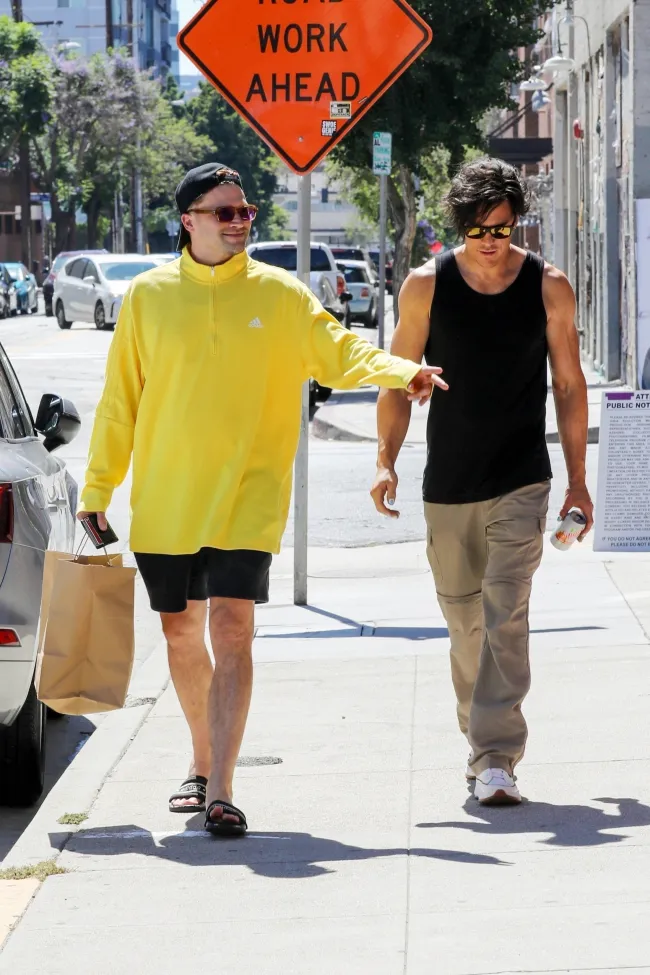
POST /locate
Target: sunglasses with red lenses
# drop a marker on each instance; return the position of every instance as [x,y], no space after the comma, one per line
[228,214]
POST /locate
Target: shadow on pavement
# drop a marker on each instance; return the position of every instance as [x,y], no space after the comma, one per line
[393,632]
[65,736]
[273,854]
[570,825]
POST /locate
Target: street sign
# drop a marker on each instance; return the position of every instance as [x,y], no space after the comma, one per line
[291,70]
[382,153]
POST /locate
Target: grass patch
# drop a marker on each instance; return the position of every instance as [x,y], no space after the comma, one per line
[42,870]
[72,819]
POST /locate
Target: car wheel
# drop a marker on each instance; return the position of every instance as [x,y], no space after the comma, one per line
[14,312]
[22,755]
[100,317]
[62,321]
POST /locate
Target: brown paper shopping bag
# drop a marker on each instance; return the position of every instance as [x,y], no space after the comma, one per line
[86,638]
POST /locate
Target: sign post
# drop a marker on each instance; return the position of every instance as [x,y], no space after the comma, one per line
[311,72]
[301,476]
[382,163]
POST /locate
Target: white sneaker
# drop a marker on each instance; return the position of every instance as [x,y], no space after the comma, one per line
[494,787]
[470,775]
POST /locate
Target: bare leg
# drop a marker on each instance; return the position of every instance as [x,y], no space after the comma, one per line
[191,670]
[231,632]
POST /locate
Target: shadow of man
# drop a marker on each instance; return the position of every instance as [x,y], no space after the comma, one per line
[280,855]
[569,825]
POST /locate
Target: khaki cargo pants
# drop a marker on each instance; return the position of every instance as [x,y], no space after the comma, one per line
[483,558]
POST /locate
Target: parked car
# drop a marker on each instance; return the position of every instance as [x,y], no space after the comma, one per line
[326,281]
[8,296]
[26,287]
[57,264]
[360,283]
[38,501]
[344,253]
[91,289]
[389,268]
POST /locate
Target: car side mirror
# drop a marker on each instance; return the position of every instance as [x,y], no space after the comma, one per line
[346,296]
[58,420]
[90,279]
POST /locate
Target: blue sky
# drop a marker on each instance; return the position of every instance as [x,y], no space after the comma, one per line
[186,10]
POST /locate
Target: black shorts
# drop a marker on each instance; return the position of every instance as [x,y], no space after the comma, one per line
[173,579]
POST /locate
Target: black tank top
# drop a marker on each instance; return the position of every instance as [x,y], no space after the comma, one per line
[487,434]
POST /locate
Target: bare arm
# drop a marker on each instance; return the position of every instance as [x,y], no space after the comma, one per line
[394,408]
[569,389]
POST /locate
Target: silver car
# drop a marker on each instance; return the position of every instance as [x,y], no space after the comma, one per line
[91,289]
[361,284]
[38,501]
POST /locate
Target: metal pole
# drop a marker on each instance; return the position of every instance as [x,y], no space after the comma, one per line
[383,219]
[301,479]
[138,208]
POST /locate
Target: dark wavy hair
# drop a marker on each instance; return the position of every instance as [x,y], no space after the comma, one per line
[478,187]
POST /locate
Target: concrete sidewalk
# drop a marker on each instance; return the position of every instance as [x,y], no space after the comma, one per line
[366,854]
[353,415]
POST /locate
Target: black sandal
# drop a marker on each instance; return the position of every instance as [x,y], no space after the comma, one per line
[196,787]
[220,828]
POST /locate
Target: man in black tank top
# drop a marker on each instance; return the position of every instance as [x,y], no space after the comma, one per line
[488,315]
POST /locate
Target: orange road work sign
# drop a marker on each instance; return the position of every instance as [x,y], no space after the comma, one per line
[303,73]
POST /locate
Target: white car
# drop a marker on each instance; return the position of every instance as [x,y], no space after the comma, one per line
[90,289]
[360,282]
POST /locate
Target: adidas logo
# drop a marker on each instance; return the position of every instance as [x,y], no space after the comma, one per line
[256,323]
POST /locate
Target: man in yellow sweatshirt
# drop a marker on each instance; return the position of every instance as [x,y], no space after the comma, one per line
[203,390]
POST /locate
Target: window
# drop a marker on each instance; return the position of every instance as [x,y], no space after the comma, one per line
[348,254]
[77,268]
[320,260]
[20,413]
[355,275]
[123,270]
[287,258]
[91,270]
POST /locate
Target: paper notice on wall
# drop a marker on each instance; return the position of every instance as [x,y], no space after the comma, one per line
[623,508]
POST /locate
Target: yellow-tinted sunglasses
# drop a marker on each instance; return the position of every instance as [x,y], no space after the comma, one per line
[498,233]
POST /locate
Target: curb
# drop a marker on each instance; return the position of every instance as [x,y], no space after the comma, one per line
[78,787]
[330,431]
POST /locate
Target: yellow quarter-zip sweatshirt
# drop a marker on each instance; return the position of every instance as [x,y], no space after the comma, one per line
[203,388]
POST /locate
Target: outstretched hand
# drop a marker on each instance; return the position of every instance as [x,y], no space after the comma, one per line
[421,386]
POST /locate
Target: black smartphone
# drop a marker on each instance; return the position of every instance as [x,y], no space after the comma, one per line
[99,538]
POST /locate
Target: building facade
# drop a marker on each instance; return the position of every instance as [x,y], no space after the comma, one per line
[602,177]
[87,27]
[334,219]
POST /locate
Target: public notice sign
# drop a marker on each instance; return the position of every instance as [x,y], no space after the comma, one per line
[623,508]
[303,74]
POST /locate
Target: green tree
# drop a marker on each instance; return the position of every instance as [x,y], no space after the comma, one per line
[109,120]
[236,145]
[441,100]
[26,91]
